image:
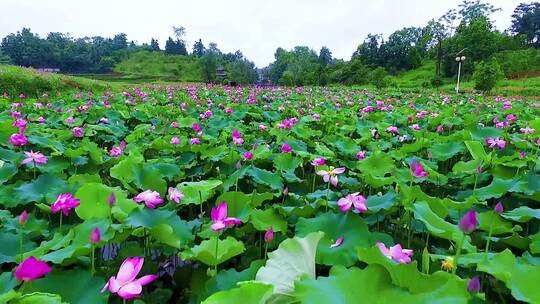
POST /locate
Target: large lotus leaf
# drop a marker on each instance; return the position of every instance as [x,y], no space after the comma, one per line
[6,129]
[83,287]
[262,220]
[496,189]
[198,192]
[147,177]
[295,258]
[491,220]
[94,201]
[240,205]
[350,226]
[439,227]
[342,287]
[9,250]
[246,292]
[378,164]
[206,251]
[477,151]
[376,203]
[46,142]
[286,162]
[39,298]
[123,171]
[165,226]
[347,146]
[7,170]
[444,151]
[45,187]
[267,178]
[227,279]
[468,167]
[408,276]
[535,243]
[522,214]
[7,282]
[520,277]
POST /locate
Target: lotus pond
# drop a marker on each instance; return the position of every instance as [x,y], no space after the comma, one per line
[192,193]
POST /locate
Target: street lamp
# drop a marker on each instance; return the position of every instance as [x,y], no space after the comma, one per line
[459,60]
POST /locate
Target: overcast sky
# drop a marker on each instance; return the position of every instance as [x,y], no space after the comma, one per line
[255,27]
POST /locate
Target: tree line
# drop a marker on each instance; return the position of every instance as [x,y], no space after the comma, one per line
[467,29]
[100,54]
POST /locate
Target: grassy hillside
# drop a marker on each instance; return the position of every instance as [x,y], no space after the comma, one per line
[420,79]
[159,66]
[16,80]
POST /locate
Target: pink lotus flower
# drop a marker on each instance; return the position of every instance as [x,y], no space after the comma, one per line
[393,130]
[36,157]
[501,143]
[124,283]
[116,152]
[78,132]
[195,141]
[338,242]
[195,126]
[468,222]
[440,129]
[321,161]
[174,124]
[285,148]
[236,133]
[331,175]
[417,169]
[238,141]
[498,208]
[269,235]
[361,155]
[95,236]
[31,269]
[356,200]
[175,195]
[21,124]
[248,155]
[396,253]
[474,285]
[65,202]
[18,139]
[527,130]
[220,219]
[41,120]
[23,218]
[112,199]
[175,141]
[150,198]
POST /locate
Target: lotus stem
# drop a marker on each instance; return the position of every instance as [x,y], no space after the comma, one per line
[216,265]
[61,216]
[92,269]
[489,239]
[265,250]
[458,253]
[21,244]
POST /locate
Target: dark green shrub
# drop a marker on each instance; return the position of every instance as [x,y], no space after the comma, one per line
[486,75]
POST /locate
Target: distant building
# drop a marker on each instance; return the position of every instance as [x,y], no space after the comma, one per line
[48,70]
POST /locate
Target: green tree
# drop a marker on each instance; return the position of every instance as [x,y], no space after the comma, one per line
[526,22]
[486,75]
[325,56]
[198,48]
[154,45]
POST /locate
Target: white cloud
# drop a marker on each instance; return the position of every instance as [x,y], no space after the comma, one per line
[255,27]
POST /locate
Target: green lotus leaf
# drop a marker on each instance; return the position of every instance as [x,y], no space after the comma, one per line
[198,192]
[294,258]
[518,276]
[206,251]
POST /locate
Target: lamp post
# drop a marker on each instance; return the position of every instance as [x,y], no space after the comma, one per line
[459,60]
